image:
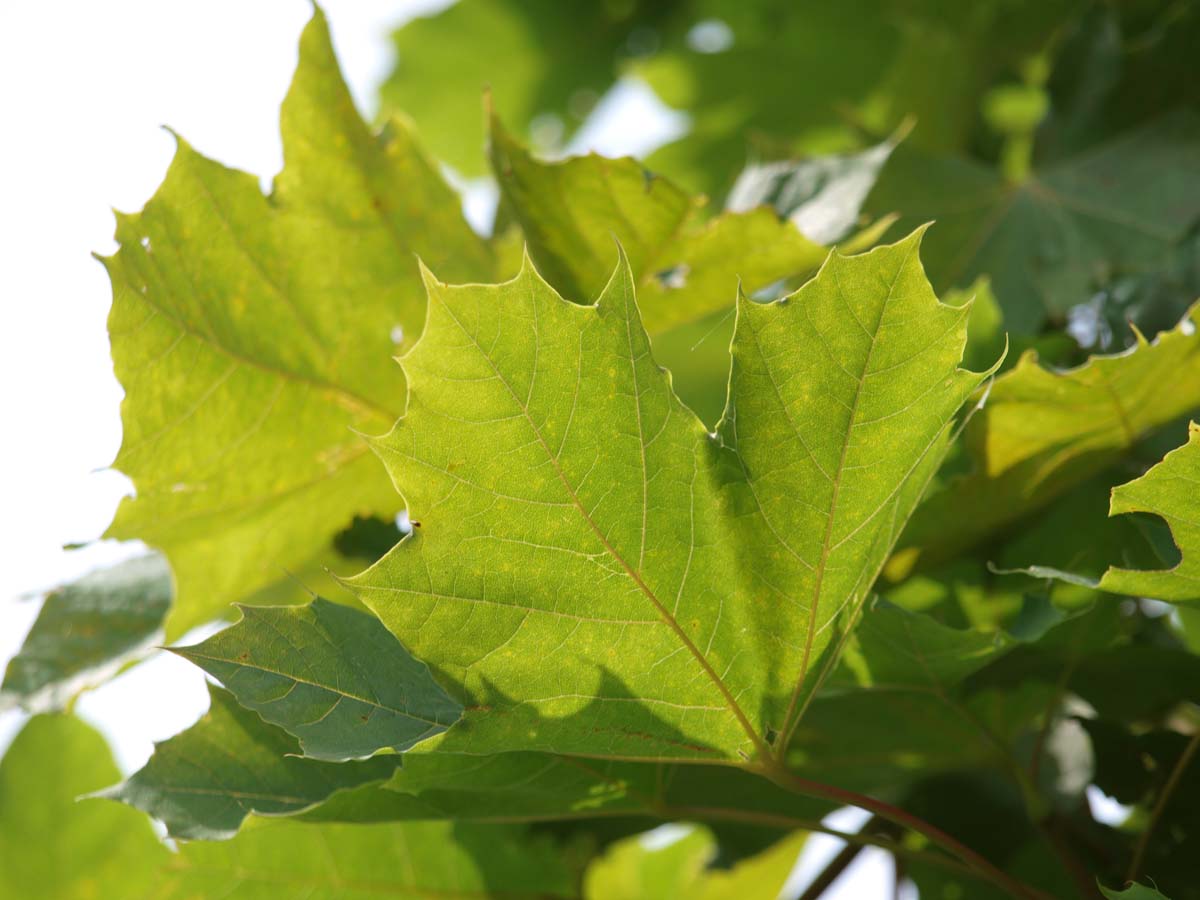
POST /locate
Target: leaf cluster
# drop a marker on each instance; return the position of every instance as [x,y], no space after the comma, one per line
[721,513]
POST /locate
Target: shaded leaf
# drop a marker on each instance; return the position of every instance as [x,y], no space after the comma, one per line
[330,675]
[895,649]
[1042,432]
[685,268]
[272,860]
[583,541]
[549,788]
[204,782]
[86,631]
[252,333]
[1052,241]
[1172,490]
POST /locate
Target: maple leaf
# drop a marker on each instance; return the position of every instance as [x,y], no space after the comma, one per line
[581,539]
[1168,490]
[1043,431]
[251,333]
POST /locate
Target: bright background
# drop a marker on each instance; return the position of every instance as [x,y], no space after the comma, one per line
[87,86]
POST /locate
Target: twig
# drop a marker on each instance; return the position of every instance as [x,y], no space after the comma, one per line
[1164,797]
[836,866]
[981,866]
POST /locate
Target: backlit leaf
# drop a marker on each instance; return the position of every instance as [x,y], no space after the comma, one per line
[580,540]
[1171,490]
[55,848]
[638,869]
[271,860]
[252,334]
[1042,431]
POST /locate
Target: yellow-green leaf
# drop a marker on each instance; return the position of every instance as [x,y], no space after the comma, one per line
[592,571]
[253,334]
[638,869]
[1171,490]
[1043,431]
[54,846]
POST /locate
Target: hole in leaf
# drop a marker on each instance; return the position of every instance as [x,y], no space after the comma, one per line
[675,277]
[367,537]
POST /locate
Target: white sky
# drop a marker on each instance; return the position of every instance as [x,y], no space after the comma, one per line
[86,87]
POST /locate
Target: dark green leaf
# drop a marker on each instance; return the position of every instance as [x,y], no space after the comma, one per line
[330,675]
[86,631]
[204,782]
[1053,241]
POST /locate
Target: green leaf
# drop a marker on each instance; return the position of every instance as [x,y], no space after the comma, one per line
[330,675]
[204,782]
[633,869]
[1041,432]
[580,540]
[1168,490]
[55,848]
[685,267]
[86,631]
[536,57]
[530,787]
[879,741]
[798,78]
[252,334]
[1054,240]
[810,76]
[271,860]
[895,649]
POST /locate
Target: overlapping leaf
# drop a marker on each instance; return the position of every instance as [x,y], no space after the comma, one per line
[581,541]
[86,631]
[1042,432]
[685,268]
[55,847]
[1171,490]
[566,791]
[204,782]
[252,333]
[1053,241]
[330,675]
